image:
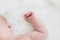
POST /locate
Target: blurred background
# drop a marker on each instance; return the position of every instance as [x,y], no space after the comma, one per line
[47,10]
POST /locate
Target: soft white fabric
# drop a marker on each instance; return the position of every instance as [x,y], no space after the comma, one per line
[47,10]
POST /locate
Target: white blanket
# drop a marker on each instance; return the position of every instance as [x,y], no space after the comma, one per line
[47,10]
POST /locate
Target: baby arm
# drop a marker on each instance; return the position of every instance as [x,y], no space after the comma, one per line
[40,32]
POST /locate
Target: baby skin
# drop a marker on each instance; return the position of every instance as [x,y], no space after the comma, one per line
[39,33]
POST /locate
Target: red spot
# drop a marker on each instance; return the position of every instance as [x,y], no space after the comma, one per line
[30,15]
[9,26]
